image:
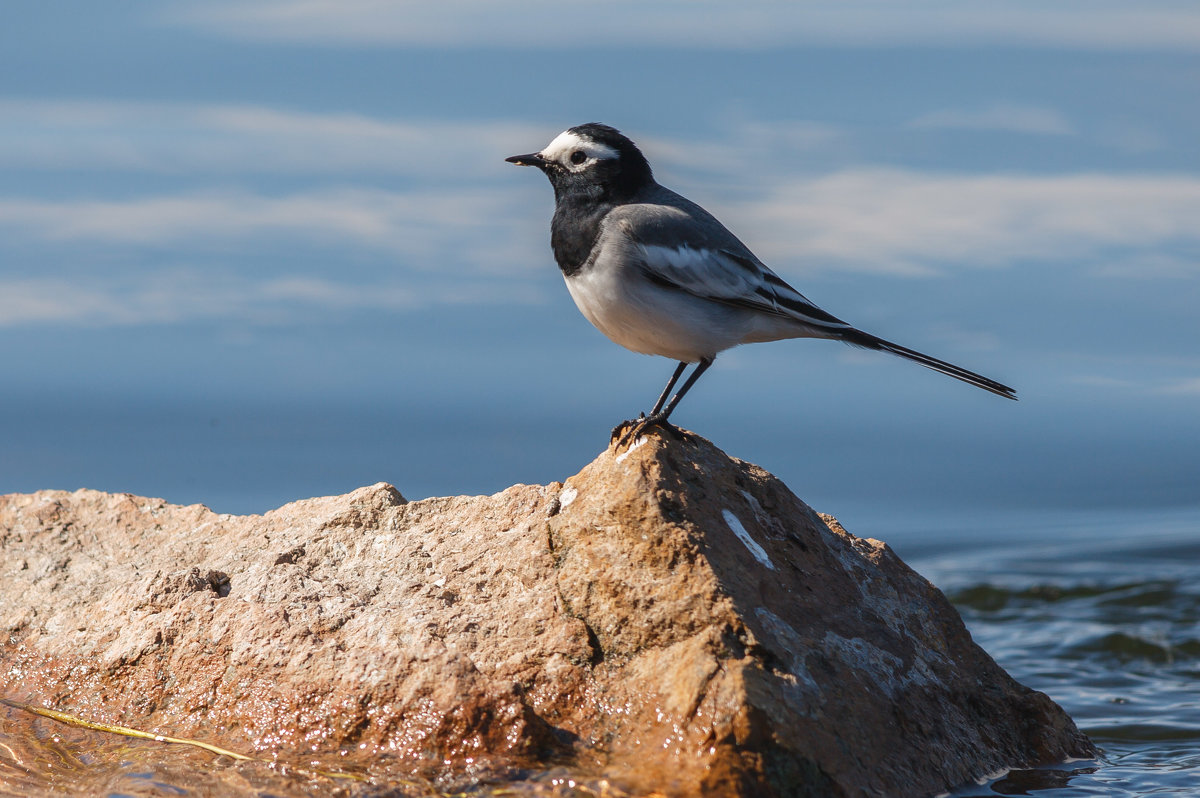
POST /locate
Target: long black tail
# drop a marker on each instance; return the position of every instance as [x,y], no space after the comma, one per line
[868,341]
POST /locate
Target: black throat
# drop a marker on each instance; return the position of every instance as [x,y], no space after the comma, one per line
[582,201]
[575,228]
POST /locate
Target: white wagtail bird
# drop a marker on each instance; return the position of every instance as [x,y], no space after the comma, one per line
[660,275]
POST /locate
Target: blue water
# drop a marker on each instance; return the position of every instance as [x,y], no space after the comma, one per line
[1100,611]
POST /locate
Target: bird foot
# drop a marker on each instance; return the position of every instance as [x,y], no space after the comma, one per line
[629,431]
[620,428]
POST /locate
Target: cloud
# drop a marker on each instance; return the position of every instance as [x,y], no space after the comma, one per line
[1155,385]
[426,228]
[868,219]
[1185,387]
[1150,265]
[237,142]
[1000,118]
[909,222]
[168,297]
[175,295]
[1089,24]
[873,220]
[174,138]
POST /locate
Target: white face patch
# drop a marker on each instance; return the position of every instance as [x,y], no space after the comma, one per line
[562,151]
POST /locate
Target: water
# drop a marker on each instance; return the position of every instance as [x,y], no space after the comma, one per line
[1102,612]
[1103,615]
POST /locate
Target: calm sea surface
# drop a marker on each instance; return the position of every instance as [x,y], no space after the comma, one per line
[1102,612]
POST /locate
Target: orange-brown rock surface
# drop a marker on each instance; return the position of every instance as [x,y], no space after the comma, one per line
[669,619]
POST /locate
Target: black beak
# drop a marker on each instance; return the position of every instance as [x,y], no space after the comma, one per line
[532,159]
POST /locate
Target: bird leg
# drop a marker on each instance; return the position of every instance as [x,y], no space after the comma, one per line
[667,391]
[659,415]
[657,405]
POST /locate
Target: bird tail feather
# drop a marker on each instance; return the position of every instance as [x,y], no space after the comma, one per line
[868,341]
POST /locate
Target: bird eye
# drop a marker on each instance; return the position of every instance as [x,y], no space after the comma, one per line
[578,157]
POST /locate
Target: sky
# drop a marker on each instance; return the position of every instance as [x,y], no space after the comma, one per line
[256,251]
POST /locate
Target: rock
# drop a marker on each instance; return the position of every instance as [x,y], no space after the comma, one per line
[669,619]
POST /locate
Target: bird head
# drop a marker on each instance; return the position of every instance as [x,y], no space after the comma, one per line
[592,158]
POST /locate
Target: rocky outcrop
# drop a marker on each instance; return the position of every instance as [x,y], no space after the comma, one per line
[667,619]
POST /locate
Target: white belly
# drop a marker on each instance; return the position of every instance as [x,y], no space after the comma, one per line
[647,318]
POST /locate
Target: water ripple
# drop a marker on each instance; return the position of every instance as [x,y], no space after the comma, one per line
[1106,624]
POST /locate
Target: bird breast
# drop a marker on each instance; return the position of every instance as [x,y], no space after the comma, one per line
[614,295]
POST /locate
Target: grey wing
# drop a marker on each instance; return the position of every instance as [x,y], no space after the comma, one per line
[684,247]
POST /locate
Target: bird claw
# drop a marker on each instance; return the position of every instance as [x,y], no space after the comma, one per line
[617,430]
[630,431]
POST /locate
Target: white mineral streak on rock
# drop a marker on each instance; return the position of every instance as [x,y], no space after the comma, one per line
[758,551]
